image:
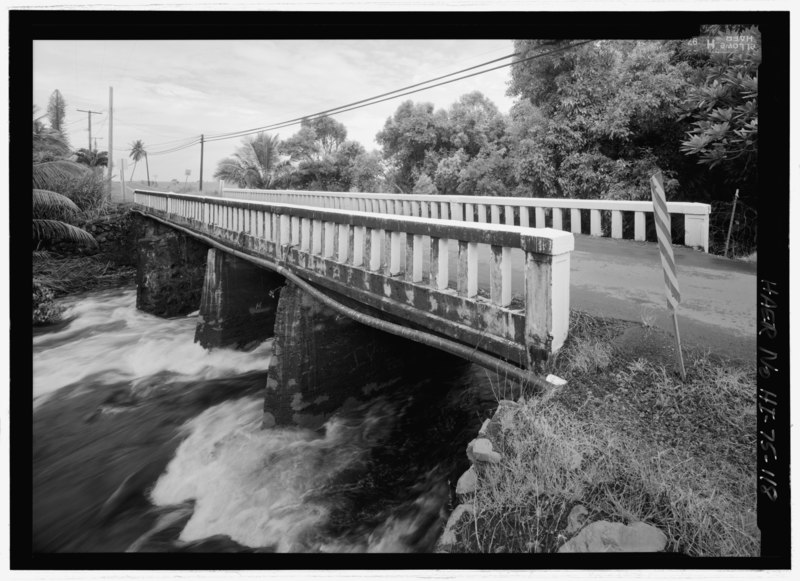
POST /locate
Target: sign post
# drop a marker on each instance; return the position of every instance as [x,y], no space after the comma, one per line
[664,235]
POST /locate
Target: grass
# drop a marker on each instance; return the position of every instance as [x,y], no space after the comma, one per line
[65,275]
[628,440]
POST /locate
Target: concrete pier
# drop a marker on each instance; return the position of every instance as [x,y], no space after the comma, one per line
[239,302]
[322,360]
[169,274]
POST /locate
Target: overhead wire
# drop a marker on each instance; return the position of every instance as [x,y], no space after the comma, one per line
[397,93]
[383,97]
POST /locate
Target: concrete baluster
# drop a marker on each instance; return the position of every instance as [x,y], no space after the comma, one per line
[305,234]
[373,247]
[295,240]
[316,237]
[467,270]
[395,253]
[540,221]
[495,214]
[500,275]
[639,228]
[596,229]
[440,258]
[343,242]
[575,220]
[616,224]
[285,229]
[509,215]
[558,220]
[525,216]
[414,257]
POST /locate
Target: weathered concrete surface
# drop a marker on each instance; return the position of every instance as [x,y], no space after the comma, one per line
[169,275]
[239,302]
[322,360]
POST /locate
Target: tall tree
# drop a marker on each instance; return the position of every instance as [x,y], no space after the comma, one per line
[56,110]
[138,152]
[254,164]
[597,120]
[412,139]
[724,108]
[322,158]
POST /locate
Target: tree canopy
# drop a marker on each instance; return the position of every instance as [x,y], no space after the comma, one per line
[254,163]
[56,110]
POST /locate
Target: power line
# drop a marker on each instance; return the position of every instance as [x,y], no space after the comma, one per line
[322,113]
[375,99]
[372,101]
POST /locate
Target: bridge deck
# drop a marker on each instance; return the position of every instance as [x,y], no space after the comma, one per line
[450,277]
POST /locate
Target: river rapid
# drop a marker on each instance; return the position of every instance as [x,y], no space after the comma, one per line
[145,442]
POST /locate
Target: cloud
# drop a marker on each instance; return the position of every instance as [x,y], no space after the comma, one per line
[173,90]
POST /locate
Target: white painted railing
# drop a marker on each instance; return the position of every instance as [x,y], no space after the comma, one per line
[406,248]
[525,212]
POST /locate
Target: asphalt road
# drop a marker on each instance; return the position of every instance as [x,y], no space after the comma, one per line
[623,279]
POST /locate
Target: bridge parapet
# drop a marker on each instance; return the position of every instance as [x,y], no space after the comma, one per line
[401,265]
[523,212]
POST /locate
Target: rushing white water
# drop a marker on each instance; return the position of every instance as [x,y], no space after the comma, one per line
[108,340]
[250,483]
[258,486]
[275,489]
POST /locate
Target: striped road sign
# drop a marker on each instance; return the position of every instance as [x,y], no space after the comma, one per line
[664,235]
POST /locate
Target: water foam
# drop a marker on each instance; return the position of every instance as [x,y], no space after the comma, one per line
[107,339]
[252,484]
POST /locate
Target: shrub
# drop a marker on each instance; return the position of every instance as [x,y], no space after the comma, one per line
[45,310]
[88,192]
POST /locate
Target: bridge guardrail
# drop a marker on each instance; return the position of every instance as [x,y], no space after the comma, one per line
[497,210]
[393,251]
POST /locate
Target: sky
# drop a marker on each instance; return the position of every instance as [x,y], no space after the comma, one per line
[168,92]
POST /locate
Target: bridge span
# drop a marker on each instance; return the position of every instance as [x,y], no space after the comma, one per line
[338,287]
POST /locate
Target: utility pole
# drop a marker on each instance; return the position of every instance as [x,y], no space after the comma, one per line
[121,177]
[90,124]
[110,137]
[201,162]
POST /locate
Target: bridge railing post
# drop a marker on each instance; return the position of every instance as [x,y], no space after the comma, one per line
[547,263]
[696,230]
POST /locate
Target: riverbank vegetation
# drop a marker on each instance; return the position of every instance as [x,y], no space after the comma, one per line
[68,197]
[629,441]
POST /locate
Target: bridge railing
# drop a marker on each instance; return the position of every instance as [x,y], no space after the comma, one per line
[410,250]
[525,212]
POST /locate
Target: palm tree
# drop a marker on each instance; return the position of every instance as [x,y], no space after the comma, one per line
[48,175]
[92,158]
[48,143]
[254,163]
[49,205]
[138,152]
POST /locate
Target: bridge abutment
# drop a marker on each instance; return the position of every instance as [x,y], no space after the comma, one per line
[170,269]
[239,302]
[321,360]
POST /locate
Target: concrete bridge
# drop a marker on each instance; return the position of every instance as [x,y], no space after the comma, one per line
[620,219]
[351,296]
